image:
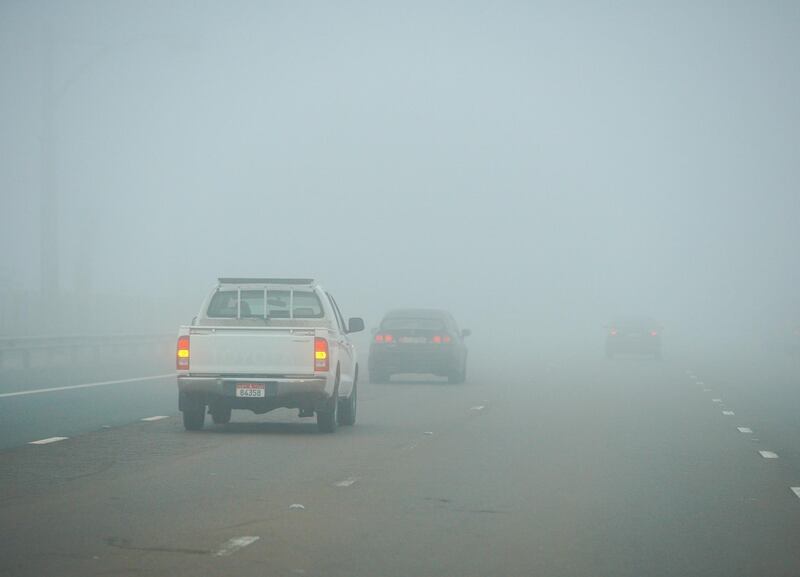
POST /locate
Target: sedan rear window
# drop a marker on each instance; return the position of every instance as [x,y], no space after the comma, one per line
[406,323]
[225,304]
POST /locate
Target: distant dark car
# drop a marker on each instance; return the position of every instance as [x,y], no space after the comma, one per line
[633,335]
[422,341]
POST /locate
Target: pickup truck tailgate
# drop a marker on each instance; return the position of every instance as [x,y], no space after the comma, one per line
[273,351]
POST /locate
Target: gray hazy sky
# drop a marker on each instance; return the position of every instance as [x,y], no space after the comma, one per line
[555,159]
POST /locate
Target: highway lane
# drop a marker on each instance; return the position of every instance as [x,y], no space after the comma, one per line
[577,466]
[763,389]
[116,395]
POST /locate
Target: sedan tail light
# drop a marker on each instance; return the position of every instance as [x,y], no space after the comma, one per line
[384,338]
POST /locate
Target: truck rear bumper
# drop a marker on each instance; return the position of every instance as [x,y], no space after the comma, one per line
[299,392]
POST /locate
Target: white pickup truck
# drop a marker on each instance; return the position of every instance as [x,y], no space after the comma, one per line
[264,343]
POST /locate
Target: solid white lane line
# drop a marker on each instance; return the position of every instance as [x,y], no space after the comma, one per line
[747,430]
[768,454]
[48,440]
[795,490]
[234,545]
[728,413]
[158,418]
[85,386]
[347,482]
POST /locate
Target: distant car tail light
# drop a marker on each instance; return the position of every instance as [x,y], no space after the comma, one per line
[378,338]
[613,332]
[653,333]
[388,338]
[437,339]
[446,338]
[182,355]
[321,359]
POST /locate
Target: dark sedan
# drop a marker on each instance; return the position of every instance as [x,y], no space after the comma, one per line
[422,341]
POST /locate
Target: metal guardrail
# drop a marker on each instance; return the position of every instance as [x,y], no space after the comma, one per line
[26,352]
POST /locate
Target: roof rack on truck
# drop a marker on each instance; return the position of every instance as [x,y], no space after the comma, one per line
[241,280]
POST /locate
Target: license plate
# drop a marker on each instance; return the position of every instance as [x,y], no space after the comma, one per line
[250,390]
[413,340]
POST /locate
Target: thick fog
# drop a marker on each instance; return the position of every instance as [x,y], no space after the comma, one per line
[534,167]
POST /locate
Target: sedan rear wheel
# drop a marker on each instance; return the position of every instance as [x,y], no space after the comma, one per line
[377,376]
[458,376]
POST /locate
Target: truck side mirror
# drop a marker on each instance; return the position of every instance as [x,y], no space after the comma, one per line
[355,325]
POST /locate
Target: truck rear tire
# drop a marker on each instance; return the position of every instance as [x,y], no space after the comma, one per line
[194,418]
[347,408]
[327,420]
[221,415]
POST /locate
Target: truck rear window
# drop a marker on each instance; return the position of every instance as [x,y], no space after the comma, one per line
[225,304]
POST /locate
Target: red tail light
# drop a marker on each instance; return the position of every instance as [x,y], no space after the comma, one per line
[613,332]
[446,338]
[653,333]
[182,355]
[321,358]
[437,339]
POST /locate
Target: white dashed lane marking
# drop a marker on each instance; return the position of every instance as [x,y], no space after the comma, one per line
[796,490]
[728,413]
[157,418]
[232,546]
[477,408]
[85,386]
[716,400]
[768,454]
[48,440]
[747,430]
[347,482]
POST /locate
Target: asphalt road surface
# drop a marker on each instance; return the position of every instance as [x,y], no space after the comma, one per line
[568,467]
